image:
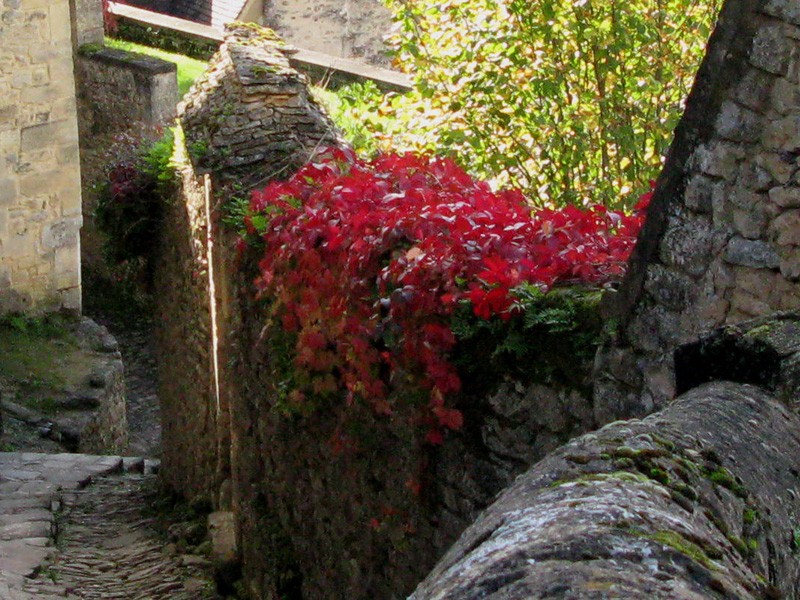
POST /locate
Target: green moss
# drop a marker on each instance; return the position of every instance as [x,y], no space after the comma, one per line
[678,542]
[749,516]
[722,477]
[41,359]
[659,475]
[89,49]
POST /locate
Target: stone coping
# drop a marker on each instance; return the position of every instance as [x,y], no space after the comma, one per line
[133,60]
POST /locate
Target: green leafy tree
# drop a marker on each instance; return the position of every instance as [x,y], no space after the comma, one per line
[573,101]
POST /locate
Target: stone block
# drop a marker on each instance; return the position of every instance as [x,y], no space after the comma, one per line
[56,133]
[746,306]
[88,23]
[783,134]
[737,123]
[753,91]
[750,223]
[785,197]
[698,195]
[786,10]
[785,295]
[785,96]
[751,253]
[785,229]
[672,290]
[771,50]
[780,167]
[222,530]
[718,159]
[689,244]
[62,233]
[60,24]
[70,299]
[9,192]
[790,263]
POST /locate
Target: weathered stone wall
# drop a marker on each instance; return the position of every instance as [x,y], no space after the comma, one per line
[118,93]
[346,28]
[722,242]
[184,344]
[249,116]
[252,110]
[40,194]
[310,521]
[87,22]
[118,90]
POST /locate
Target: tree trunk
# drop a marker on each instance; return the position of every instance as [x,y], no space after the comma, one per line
[699,500]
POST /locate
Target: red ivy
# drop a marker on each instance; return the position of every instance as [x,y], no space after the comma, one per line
[366,261]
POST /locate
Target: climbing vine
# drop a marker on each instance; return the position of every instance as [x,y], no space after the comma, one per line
[367,265]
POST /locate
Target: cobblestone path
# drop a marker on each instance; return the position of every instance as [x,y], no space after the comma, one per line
[73,526]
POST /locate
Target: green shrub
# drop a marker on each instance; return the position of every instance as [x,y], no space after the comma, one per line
[573,102]
[130,204]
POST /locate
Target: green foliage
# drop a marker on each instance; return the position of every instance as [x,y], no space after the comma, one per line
[166,39]
[355,110]
[52,325]
[573,101]
[131,203]
[548,340]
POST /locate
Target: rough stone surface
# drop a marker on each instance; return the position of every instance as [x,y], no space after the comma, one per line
[89,412]
[149,86]
[675,506]
[252,108]
[224,439]
[107,545]
[724,219]
[40,194]
[354,29]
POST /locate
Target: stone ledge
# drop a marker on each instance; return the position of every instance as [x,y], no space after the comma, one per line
[132,60]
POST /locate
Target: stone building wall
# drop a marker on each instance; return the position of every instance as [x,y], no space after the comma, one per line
[722,242]
[346,28]
[40,194]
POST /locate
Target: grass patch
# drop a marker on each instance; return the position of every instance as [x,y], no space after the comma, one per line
[40,360]
[189,69]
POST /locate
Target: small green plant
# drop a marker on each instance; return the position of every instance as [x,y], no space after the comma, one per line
[131,203]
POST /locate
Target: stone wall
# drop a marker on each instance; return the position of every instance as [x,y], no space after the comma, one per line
[104,76]
[722,242]
[40,194]
[251,101]
[118,90]
[346,28]
[310,521]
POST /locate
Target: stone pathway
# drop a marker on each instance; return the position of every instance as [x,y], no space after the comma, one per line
[72,526]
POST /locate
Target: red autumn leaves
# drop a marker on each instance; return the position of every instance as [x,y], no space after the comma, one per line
[366,261]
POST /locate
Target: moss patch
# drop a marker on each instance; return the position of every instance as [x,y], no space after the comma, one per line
[41,360]
[678,542]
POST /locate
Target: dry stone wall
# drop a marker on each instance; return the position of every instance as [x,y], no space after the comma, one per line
[310,521]
[252,109]
[722,243]
[249,117]
[40,194]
